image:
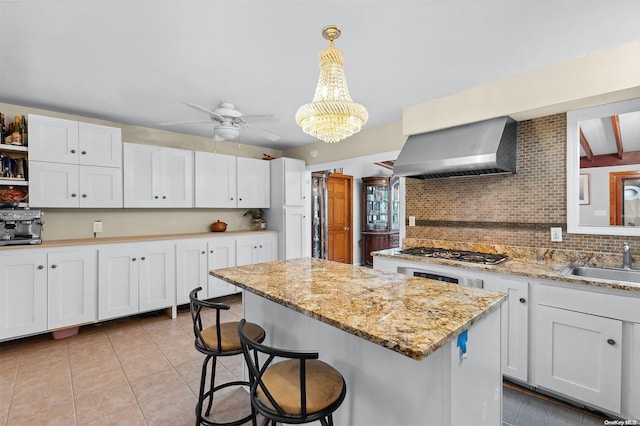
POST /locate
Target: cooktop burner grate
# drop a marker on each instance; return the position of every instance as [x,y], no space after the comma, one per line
[461,255]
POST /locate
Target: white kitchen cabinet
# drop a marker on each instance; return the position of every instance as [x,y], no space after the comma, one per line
[253,184]
[215,180]
[579,355]
[195,258]
[289,213]
[66,141]
[157,176]
[515,326]
[23,294]
[68,185]
[251,249]
[72,278]
[135,278]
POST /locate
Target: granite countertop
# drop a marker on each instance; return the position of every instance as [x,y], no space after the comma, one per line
[131,239]
[523,266]
[412,316]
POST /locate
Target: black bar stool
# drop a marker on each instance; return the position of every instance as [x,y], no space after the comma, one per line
[300,389]
[217,340]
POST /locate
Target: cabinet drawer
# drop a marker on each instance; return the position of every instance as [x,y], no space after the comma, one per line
[626,308]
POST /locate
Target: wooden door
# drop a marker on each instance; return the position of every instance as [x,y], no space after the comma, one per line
[624,201]
[340,206]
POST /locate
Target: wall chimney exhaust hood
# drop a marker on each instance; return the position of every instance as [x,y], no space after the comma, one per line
[484,147]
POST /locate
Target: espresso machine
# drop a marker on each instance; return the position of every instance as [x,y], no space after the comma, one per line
[20,226]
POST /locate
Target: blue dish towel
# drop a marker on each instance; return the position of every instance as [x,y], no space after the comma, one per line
[462,343]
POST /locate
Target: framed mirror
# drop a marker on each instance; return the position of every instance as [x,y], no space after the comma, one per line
[603,169]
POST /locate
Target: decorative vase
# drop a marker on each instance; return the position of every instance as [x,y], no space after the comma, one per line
[256,224]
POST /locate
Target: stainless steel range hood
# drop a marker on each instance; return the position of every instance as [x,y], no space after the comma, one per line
[485,147]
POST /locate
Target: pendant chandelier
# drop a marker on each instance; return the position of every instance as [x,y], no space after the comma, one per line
[332,116]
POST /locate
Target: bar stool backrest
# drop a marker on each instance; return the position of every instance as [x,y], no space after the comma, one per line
[196,307]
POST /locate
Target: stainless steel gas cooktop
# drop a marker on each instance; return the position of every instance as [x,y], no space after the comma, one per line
[460,255]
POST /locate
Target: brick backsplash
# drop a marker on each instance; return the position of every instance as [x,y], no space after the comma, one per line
[512,209]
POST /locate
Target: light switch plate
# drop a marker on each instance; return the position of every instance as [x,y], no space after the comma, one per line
[97,226]
[412,221]
[556,234]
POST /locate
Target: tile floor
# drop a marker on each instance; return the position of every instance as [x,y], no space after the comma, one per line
[144,370]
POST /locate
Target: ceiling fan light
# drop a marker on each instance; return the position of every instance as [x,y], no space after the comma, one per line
[226,131]
[332,116]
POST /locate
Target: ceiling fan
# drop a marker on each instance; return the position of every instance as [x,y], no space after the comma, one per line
[228,122]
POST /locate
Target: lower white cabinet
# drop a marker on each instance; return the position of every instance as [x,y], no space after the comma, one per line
[579,355]
[251,249]
[23,294]
[72,278]
[135,278]
[195,258]
[515,327]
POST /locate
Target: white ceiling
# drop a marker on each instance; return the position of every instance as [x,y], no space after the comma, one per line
[137,61]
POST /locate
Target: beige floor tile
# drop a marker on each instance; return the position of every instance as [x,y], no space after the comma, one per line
[90,366]
[102,381]
[129,416]
[180,355]
[110,399]
[144,365]
[59,415]
[39,399]
[177,400]
[154,385]
[231,406]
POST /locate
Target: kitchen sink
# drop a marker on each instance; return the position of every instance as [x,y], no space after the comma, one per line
[604,273]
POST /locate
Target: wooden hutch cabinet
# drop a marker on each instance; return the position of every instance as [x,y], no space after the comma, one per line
[380,215]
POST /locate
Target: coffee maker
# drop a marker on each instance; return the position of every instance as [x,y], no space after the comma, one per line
[19,226]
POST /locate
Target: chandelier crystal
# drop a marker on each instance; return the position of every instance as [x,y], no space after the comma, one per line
[332,116]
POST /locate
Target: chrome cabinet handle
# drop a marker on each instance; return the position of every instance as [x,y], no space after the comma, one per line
[73,151]
[611,342]
[84,152]
[74,195]
[156,197]
[134,259]
[40,267]
[54,266]
[164,197]
[523,300]
[84,195]
[142,258]
[203,252]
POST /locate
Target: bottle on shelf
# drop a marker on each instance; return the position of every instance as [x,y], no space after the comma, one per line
[3,128]
[23,124]
[16,135]
[7,135]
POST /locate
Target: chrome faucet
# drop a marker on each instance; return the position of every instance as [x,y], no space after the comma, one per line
[626,256]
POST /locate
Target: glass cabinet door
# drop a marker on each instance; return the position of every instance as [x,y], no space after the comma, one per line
[395,204]
[376,204]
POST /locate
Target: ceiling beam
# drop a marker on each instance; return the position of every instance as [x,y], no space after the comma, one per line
[615,124]
[584,143]
[607,160]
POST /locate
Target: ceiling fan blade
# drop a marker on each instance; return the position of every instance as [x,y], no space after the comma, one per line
[203,109]
[267,135]
[173,123]
[261,118]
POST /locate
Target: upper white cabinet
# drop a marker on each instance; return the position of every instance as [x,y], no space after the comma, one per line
[23,294]
[157,176]
[66,141]
[215,180]
[73,164]
[289,212]
[67,185]
[253,183]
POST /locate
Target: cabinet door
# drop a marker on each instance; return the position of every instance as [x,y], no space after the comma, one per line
[295,242]
[23,295]
[141,175]
[245,247]
[215,180]
[294,182]
[117,282]
[515,327]
[254,183]
[579,355]
[100,187]
[157,271]
[99,145]
[72,288]
[176,175]
[53,139]
[191,268]
[222,254]
[374,242]
[267,249]
[53,184]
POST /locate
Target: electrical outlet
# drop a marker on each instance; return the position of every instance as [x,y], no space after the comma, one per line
[412,221]
[556,234]
[97,226]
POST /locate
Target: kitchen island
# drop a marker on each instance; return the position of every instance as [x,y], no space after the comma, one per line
[396,339]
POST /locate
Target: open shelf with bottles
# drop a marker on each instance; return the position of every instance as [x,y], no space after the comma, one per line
[380,215]
[13,177]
